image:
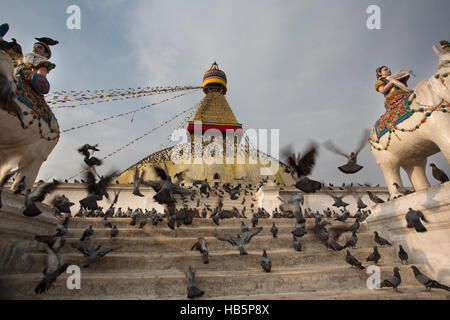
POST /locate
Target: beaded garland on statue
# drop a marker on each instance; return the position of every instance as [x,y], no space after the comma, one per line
[39,110]
[391,126]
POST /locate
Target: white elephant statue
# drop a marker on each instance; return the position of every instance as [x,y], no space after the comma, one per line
[24,147]
[406,140]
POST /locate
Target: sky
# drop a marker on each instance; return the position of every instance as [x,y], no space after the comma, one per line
[306,68]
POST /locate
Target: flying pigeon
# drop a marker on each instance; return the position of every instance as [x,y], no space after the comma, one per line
[238,240]
[37,195]
[53,269]
[351,166]
[138,179]
[302,167]
[99,252]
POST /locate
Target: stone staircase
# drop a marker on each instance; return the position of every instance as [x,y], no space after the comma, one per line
[150,264]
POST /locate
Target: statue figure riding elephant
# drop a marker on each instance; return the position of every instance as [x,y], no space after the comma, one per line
[28,128]
[415,126]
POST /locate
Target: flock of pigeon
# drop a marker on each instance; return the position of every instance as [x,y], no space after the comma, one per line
[166,189]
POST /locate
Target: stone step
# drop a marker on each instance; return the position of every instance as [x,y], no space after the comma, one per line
[229,260]
[125,222]
[182,231]
[162,285]
[184,244]
[408,292]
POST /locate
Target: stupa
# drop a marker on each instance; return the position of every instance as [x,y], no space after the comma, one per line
[212,122]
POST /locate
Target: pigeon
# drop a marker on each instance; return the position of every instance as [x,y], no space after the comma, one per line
[192,290]
[84,150]
[302,167]
[238,240]
[359,203]
[296,244]
[90,161]
[106,222]
[53,269]
[62,229]
[266,263]
[133,220]
[402,190]
[62,203]
[354,227]
[88,232]
[114,232]
[37,195]
[333,244]
[85,248]
[438,174]
[428,282]
[402,254]
[338,200]
[299,230]
[204,186]
[142,223]
[202,246]
[374,198]
[233,192]
[394,281]
[343,217]
[351,166]
[381,241]
[351,260]
[351,242]
[293,205]
[244,228]
[254,221]
[99,252]
[48,240]
[374,256]
[137,181]
[165,188]
[96,189]
[274,230]
[413,218]
[20,186]
[4,181]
